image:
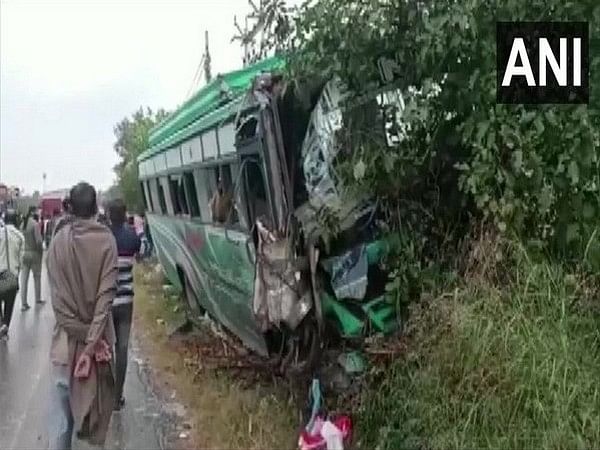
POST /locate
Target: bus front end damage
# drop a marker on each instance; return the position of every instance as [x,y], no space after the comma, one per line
[319,271]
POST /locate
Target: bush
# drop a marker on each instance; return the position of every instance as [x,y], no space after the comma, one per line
[533,170]
[489,367]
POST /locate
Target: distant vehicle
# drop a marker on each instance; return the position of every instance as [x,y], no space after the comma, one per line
[48,206]
[234,209]
[51,201]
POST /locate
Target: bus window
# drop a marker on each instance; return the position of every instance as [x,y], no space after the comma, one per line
[225,173]
[256,193]
[212,178]
[191,195]
[174,196]
[247,128]
[241,213]
[148,193]
[221,202]
[203,193]
[153,190]
[182,197]
[177,192]
[226,179]
[144,200]
[161,197]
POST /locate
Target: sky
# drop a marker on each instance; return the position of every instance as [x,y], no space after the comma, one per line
[70,70]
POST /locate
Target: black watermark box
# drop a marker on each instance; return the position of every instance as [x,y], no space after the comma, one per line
[562,47]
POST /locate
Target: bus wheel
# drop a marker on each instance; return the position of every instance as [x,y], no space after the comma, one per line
[195,310]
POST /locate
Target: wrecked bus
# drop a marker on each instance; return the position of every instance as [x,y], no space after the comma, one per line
[237,185]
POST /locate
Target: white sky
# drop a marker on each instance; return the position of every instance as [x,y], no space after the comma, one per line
[70,70]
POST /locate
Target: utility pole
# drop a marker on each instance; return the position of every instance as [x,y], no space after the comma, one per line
[207,74]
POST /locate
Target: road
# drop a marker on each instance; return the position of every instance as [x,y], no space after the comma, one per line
[24,385]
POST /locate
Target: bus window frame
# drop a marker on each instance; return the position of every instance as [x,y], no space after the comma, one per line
[199,171]
[191,191]
[252,147]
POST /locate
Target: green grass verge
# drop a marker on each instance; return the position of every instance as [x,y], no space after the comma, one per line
[512,367]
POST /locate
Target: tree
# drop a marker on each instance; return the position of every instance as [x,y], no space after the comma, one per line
[132,135]
[533,170]
[270,30]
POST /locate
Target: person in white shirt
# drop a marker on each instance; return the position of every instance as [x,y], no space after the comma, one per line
[11,253]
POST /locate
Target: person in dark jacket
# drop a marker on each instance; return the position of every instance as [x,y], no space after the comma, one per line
[32,258]
[128,247]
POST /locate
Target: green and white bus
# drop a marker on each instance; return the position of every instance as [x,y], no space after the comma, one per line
[245,144]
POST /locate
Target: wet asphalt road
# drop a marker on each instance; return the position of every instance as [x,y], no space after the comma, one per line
[24,385]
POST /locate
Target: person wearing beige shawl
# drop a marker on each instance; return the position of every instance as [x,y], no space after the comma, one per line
[82,273]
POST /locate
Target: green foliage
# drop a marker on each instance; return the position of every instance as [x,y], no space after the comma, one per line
[131,140]
[512,367]
[508,362]
[532,170]
[270,31]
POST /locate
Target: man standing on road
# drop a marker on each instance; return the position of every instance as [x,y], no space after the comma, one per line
[82,271]
[11,254]
[128,246]
[32,258]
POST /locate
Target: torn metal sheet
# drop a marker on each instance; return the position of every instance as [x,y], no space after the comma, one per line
[326,196]
[281,293]
[319,147]
[349,273]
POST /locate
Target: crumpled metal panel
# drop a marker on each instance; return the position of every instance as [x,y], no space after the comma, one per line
[281,295]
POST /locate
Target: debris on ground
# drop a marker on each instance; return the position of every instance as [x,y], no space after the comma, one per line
[352,362]
[211,348]
[326,434]
[322,432]
[382,349]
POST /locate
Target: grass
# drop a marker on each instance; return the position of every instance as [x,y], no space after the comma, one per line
[508,366]
[223,410]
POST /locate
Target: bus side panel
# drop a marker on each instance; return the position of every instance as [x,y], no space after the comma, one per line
[164,245]
[217,265]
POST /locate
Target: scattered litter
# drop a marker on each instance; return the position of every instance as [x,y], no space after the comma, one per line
[326,434]
[352,362]
[333,436]
[321,433]
[314,396]
[184,435]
